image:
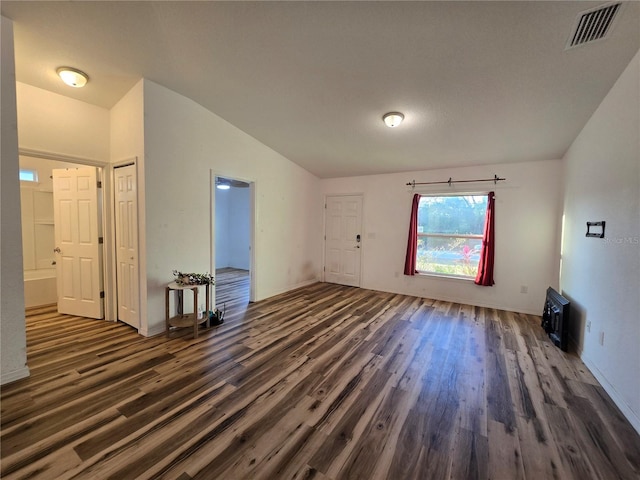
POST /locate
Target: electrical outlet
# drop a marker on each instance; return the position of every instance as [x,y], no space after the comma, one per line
[601,338]
[589,326]
[524,289]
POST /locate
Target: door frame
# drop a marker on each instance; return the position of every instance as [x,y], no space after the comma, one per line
[105,175]
[324,231]
[252,229]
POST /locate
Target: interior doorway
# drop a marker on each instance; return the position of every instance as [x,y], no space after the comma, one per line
[39,268]
[233,242]
[41,255]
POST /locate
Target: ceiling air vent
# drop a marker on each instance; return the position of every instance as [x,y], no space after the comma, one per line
[593,25]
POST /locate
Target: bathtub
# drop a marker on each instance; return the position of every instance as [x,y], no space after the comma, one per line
[40,287]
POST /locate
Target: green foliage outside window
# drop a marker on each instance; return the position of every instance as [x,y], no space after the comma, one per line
[457,224]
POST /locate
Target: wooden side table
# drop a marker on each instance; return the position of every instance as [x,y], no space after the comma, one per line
[183,320]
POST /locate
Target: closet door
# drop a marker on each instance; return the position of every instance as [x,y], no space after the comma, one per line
[126,209]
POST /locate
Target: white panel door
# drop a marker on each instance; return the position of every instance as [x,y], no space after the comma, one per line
[126,207]
[78,249]
[343,220]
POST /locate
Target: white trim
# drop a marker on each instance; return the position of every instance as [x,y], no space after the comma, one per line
[462,301]
[629,414]
[60,157]
[292,287]
[14,375]
[105,176]
[153,331]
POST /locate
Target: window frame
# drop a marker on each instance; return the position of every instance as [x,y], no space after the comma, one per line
[33,172]
[420,235]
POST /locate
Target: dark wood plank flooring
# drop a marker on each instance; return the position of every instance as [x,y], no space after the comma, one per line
[323,382]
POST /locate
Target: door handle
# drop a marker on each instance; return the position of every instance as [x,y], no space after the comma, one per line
[57,250]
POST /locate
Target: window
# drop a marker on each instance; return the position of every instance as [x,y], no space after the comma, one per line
[449,234]
[28,175]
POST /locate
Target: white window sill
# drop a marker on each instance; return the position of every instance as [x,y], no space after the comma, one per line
[443,276]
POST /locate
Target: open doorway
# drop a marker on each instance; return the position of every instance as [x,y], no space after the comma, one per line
[46,282]
[233,243]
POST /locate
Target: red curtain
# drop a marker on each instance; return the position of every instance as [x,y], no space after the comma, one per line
[485,267]
[412,242]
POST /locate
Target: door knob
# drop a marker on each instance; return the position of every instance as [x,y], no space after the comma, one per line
[57,250]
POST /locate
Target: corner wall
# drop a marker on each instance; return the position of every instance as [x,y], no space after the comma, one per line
[527,232]
[13,340]
[126,143]
[185,145]
[601,277]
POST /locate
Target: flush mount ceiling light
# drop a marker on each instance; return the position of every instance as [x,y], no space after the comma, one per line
[392,119]
[226,183]
[73,77]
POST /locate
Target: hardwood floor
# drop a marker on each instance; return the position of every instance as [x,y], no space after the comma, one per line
[324,382]
[232,289]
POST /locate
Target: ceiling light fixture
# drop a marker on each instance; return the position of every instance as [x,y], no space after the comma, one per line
[73,77]
[392,119]
[223,183]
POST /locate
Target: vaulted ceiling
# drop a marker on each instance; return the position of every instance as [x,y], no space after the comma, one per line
[478,82]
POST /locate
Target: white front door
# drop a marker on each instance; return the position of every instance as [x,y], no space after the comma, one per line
[126,207]
[78,249]
[343,239]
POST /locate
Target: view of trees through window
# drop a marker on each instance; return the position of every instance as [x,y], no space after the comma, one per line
[450,234]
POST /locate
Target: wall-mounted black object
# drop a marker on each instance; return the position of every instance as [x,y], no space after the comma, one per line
[595,229]
[555,318]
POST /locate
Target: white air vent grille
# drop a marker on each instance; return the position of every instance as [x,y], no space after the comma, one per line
[593,25]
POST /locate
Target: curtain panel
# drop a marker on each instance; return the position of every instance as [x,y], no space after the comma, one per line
[412,242]
[485,267]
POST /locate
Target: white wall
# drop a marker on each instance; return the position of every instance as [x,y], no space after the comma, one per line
[52,123]
[13,342]
[222,228]
[126,145]
[184,144]
[601,277]
[527,236]
[126,120]
[233,228]
[239,227]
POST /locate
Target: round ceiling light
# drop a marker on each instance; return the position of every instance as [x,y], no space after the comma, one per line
[392,119]
[73,77]
[222,183]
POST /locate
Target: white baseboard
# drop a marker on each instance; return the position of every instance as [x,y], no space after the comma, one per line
[463,301]
[14,375]
[629,414]
[288,289]
[153,330]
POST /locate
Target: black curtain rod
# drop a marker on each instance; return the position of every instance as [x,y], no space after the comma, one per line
[450,182]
